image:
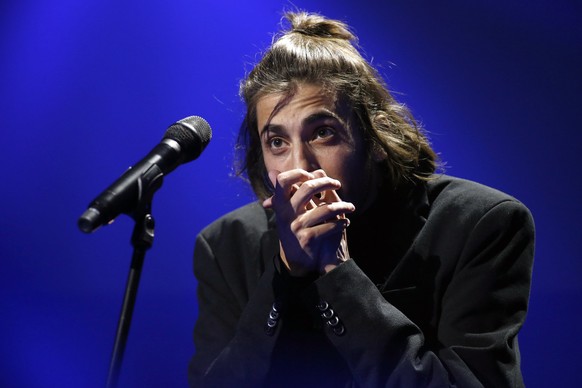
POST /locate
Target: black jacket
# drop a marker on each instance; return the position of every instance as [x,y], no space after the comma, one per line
[445,312]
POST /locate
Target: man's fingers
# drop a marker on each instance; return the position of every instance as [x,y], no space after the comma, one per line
[329,212]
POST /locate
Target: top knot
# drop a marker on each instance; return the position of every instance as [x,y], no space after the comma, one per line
[315,25]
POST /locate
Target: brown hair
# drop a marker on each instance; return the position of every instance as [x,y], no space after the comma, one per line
[320,51]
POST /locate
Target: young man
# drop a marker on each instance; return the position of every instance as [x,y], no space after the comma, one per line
[358,266]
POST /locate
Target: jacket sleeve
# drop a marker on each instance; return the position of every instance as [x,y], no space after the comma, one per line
[482,310]
[229,335]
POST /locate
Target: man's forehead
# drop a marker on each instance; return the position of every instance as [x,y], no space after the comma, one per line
[301,95]
[304,96]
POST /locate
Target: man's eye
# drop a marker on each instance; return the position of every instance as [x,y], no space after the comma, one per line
[323,132]
[276,142]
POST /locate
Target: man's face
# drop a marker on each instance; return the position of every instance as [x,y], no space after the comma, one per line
[312,131]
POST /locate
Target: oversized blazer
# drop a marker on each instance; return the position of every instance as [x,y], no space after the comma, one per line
[448,314]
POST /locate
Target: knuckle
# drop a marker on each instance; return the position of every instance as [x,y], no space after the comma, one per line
[309,185]
[304,237]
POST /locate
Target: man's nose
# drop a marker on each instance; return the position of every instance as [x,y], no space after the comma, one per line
[304,158]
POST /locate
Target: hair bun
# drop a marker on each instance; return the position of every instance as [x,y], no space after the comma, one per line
[315,25]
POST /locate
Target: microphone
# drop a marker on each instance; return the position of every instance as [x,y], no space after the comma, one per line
[183,142]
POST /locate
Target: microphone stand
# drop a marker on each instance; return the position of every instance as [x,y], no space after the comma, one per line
[141,240]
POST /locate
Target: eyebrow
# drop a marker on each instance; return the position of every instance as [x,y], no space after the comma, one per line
[322,115]
[312,118]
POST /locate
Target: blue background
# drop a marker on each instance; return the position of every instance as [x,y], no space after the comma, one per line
[87,88]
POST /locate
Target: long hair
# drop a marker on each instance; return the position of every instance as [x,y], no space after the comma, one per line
[319,51]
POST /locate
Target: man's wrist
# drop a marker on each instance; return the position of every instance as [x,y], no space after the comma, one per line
[330,267]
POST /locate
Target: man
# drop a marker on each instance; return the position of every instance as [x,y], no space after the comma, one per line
[358,266]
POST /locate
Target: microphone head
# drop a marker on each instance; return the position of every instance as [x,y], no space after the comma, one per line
[192,134]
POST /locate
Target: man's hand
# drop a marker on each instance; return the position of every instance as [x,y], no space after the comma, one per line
[310,220]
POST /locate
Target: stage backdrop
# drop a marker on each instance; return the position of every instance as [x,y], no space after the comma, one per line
[87,88]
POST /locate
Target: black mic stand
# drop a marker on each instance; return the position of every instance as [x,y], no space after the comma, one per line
[141,240]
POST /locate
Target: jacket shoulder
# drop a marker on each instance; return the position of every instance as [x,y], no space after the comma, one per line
[243,223]
[454,194]
[457,206]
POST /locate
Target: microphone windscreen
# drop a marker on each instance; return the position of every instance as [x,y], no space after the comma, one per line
[192,134]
